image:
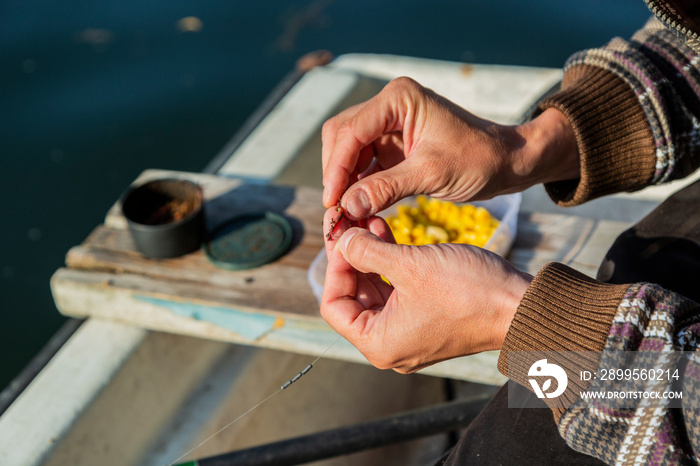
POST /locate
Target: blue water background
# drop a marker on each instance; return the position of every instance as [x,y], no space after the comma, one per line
[94,92]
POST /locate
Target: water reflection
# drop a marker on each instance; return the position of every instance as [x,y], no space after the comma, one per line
[189,24]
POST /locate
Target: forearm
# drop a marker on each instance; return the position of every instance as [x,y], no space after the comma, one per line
[548,151]
[614,139]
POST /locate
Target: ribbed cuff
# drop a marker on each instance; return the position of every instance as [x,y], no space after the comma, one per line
[614,137]
[562,310]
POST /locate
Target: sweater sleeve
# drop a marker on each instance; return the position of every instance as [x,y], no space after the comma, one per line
[564,310]
[634,107]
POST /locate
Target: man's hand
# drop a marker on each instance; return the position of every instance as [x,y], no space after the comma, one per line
[408,140]
[444,301]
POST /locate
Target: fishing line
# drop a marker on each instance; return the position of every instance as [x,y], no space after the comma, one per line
[250,410]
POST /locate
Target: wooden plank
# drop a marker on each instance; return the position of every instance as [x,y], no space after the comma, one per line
[271,306]
[149,303]
[152,303]
[277,287]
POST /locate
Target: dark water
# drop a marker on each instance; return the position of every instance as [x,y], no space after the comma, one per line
[94,92]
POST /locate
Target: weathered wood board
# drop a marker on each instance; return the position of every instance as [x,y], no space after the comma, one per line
[271,306]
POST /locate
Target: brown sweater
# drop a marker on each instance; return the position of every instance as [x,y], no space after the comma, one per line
[634,107]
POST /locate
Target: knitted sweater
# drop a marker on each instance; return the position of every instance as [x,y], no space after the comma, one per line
[635,110]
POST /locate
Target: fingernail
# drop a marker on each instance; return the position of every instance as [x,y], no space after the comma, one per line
[325,195]
[345,239]
[358,205]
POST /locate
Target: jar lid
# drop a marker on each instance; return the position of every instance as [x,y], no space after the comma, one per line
[249,240]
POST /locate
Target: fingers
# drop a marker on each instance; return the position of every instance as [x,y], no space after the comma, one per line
[345,136]
[334,224]
[343,302]
[379,227]
[347,293]
[379,189]
[368,253]
[330,129]
[329,134]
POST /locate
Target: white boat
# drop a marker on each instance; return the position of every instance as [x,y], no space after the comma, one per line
[117,394]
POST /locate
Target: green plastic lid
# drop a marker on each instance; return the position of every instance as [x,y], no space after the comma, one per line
[249,240]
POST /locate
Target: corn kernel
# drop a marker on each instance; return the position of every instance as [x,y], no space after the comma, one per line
[437,233]
[481,214]
[467,210]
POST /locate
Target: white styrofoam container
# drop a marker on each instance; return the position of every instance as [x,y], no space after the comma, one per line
[504,208]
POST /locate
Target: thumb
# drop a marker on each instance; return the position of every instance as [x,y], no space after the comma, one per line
[368,253]
[380,190]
